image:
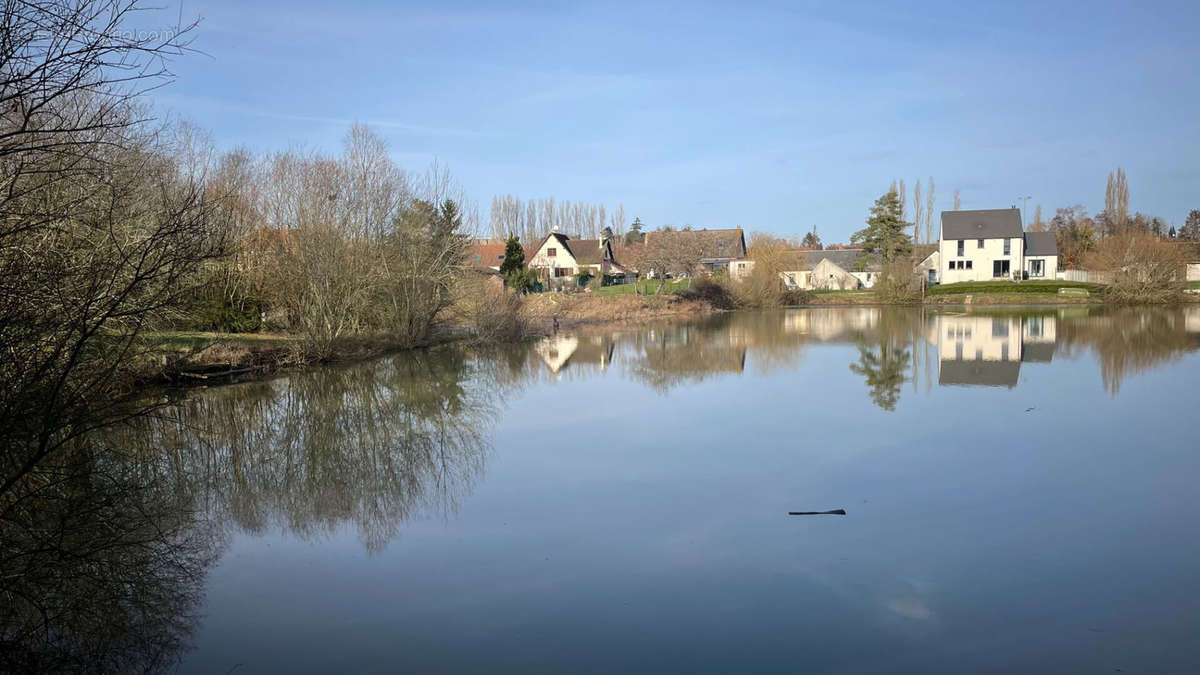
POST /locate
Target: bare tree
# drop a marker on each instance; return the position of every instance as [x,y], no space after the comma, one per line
[104,222]
[1116,201]
[929,202]
[918,216]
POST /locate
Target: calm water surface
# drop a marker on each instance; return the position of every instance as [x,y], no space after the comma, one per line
[1020,490]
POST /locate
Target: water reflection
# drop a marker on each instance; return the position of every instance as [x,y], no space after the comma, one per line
[102,565]
[369,445]
[103,553]
[894,346]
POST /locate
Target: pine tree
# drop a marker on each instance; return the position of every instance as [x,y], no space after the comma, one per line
[514,256]
[635,235]
[812,240]
[884,234]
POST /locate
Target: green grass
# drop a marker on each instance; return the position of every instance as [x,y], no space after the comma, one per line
[646,287]
[1194,284]
[1009,287]
[837,293]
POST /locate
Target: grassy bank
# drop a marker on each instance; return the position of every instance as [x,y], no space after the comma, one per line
[544,312]
[645,287]
[1038,287]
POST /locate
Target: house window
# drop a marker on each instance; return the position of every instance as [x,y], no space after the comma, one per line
[500,257]
[1004,352]
[1008,247]
[969,264]
[551,252]
[1037,268]
[962,247]
[979,243]
[1001,268]
[562,271]
[999,328]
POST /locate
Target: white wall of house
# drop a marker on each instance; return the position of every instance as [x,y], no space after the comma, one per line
[740,268]
[931,263]
[975,262]
[1048,264]
[828,276]
[977,338]
[866,279]
[554,256]
[1193,272]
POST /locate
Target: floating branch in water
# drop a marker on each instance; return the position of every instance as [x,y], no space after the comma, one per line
[835,512]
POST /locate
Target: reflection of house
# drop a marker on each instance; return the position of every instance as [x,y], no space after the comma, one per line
[989,244]
[832,323]
[560,257]
[1191,319]
[561,351]
[988,350]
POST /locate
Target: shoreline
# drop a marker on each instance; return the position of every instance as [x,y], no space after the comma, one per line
[202,359]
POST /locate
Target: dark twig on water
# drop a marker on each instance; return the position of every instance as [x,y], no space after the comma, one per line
[835,512]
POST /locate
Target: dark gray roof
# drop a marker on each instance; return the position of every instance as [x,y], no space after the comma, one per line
[980,373]
[1037,352]
[982,224]
[1040,243]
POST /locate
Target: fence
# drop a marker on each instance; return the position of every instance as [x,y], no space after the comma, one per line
[1083,275]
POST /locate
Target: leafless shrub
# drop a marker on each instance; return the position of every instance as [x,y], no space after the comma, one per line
[897,283]
[491,311]
[1141,268]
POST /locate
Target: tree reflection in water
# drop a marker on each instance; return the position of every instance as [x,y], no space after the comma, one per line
[369,444]
[103,553]
[102,565]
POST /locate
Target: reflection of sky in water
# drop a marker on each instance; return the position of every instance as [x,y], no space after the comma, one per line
[629,514]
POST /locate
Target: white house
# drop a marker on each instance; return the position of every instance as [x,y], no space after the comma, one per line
[830,269]
[990,244]
[559,257]
[1041,255]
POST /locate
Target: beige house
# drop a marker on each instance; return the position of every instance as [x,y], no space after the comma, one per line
[560,258]
[831,269]
[990,245]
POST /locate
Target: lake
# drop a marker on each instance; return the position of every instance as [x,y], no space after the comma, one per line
[1019,488]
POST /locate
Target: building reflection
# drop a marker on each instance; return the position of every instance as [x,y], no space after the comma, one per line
[988,351]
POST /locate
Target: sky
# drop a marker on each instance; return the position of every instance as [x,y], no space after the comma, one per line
[775,116]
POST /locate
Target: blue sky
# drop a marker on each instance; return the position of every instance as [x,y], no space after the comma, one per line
[773,117]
